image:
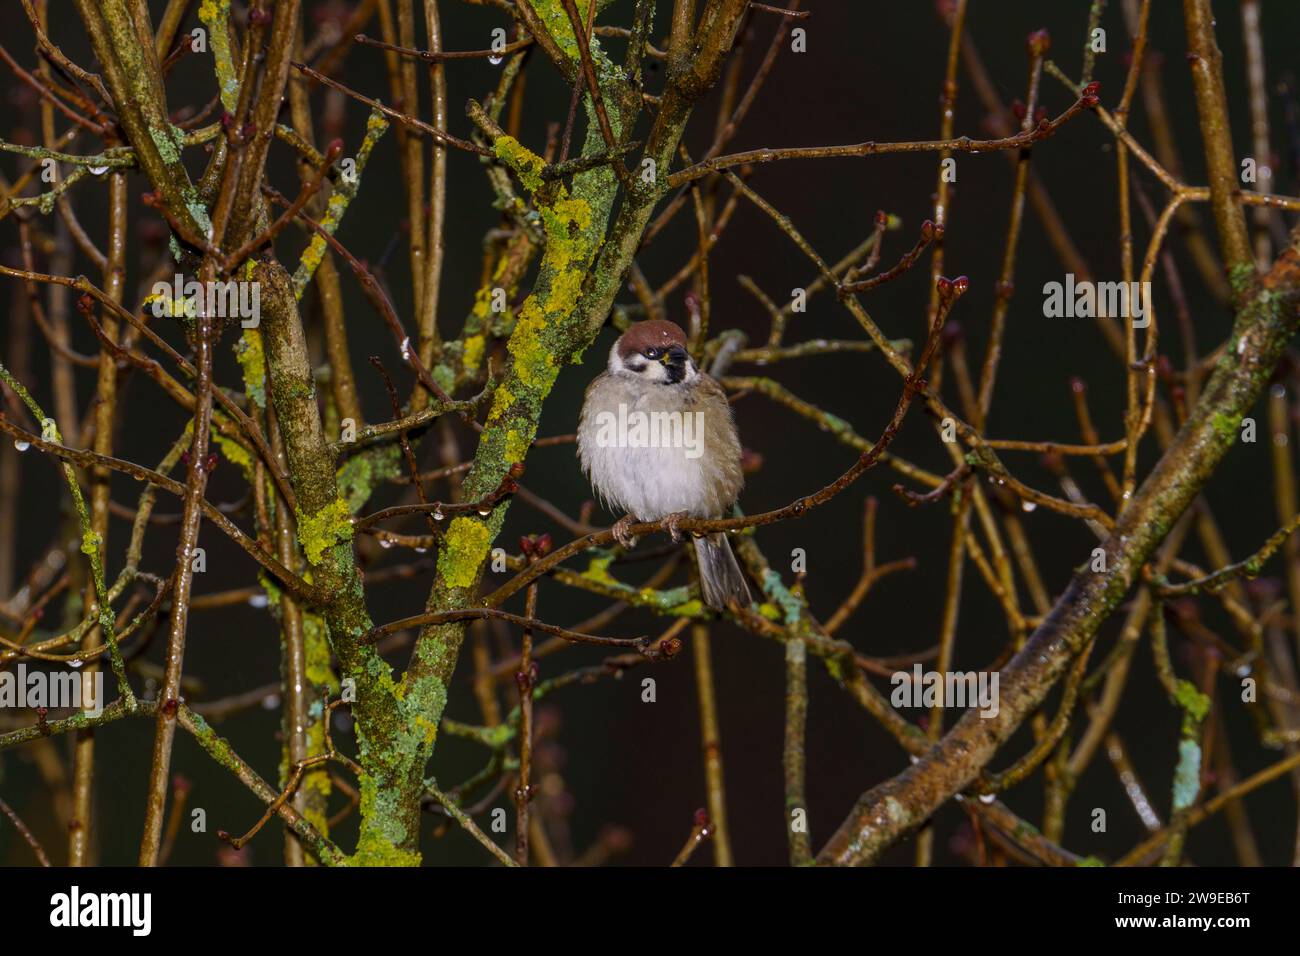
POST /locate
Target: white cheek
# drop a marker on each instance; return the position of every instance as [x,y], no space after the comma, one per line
[643,371]
[615,363]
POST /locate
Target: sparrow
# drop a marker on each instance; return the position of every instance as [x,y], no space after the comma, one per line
[656,439]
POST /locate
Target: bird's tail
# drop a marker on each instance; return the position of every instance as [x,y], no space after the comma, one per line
[721,580]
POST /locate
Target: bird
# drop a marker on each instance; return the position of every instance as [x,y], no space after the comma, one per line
[657,440]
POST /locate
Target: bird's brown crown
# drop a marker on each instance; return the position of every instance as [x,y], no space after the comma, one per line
[652,333]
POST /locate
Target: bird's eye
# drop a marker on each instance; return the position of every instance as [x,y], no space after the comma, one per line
[652,352]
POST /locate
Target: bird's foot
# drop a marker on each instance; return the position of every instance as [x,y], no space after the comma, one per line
[672,521]
[620,531]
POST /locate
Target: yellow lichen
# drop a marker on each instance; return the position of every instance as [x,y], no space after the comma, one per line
[473,357]
[463,551]
[216,16]
[319,669]
[321,531]
[501,402]
[522,160]
[428,728]
[534,363]
[569,250]
[345,190]
[517,445]
[172,308]
[483,302]
[566,287]
[598,571]
[691,608]
[90,543]
[235,453]
[252,361]
[565,214]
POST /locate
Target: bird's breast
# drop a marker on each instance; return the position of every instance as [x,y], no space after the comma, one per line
[654,451]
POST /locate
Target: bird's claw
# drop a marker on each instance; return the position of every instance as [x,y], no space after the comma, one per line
[672,521]
[621,534]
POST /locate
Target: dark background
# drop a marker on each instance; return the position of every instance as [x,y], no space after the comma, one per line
[873,70]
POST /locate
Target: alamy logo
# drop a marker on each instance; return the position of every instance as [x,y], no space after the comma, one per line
[1101,300]
[637,428]
[961,689]
[224,300]
[134,910]
[75,690]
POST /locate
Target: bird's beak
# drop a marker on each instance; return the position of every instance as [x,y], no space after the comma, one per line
[674,360]
[674,355]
